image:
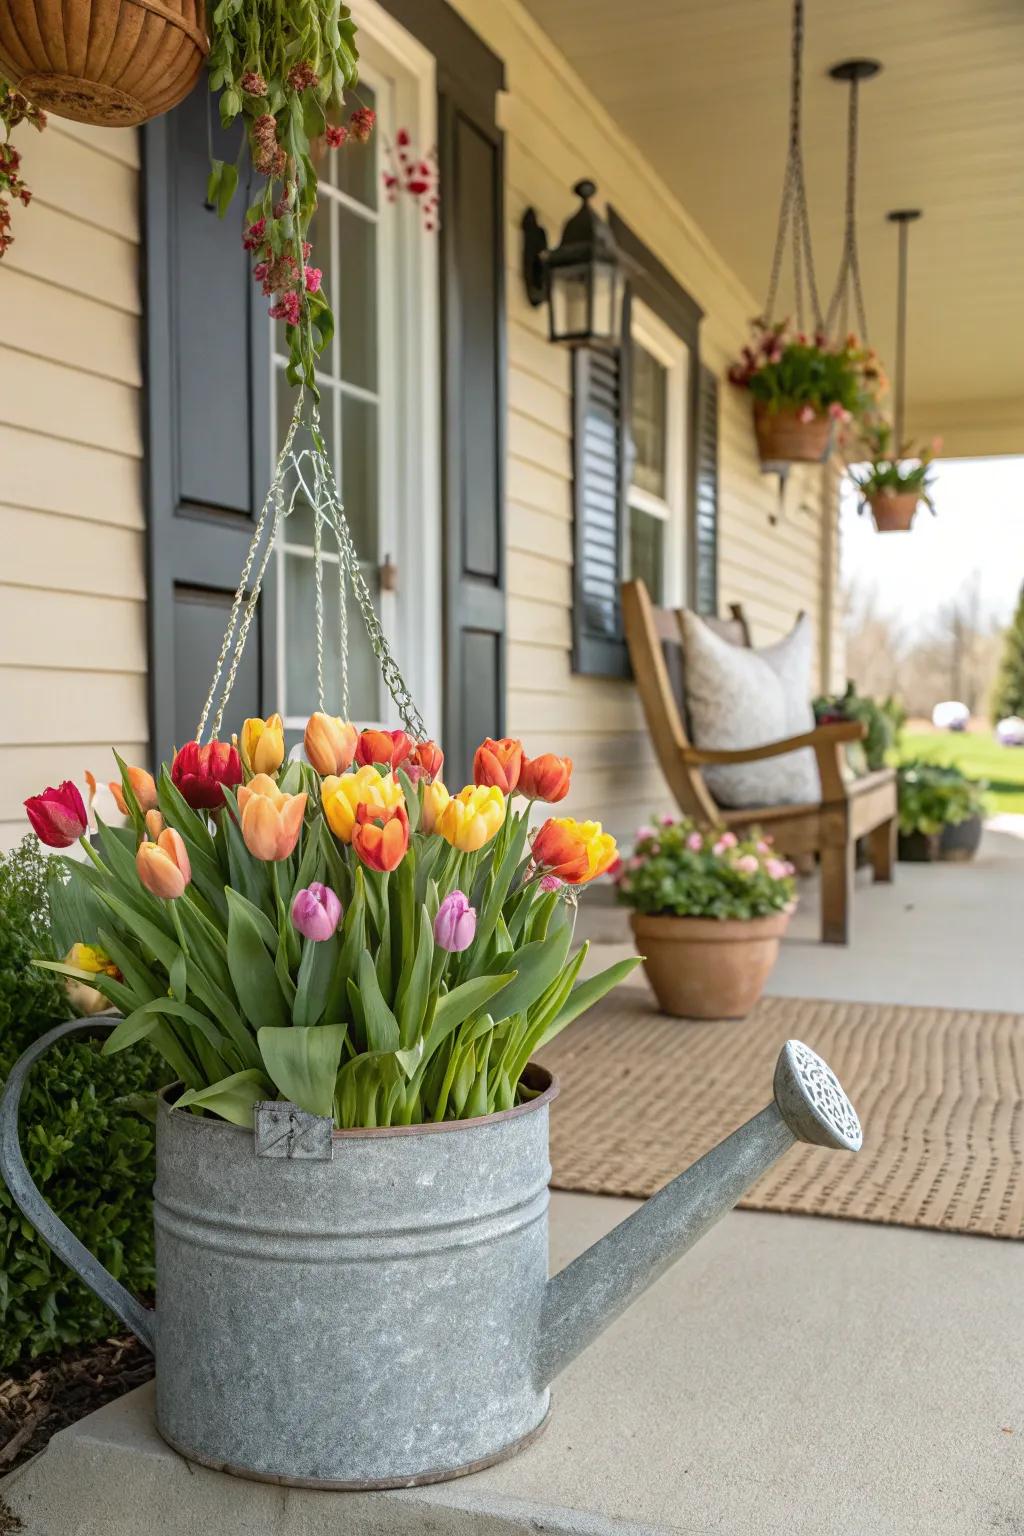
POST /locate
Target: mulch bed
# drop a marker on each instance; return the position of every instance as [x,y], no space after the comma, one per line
[47,1394]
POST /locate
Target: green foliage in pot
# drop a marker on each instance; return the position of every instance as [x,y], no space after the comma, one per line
[813,375]
[933,796]
[882,719]
[1008,695]
[895,471]
[89,1153]
[680,870]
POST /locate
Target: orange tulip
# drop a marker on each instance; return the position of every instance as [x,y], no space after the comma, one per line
[163,866]
[498,763]
[262,744]
[546,777]
[330,743]
[342,797]
[271,820]
[387,747]
[381,837]
[143,787]
[435,798]
[428,757]
[575,851]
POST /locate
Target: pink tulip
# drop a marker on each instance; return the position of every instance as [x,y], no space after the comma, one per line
[316,912]
[455,923]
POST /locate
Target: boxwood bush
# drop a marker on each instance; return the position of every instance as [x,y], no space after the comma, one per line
[88,1148]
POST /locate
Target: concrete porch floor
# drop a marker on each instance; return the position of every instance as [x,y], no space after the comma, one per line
[792,1375]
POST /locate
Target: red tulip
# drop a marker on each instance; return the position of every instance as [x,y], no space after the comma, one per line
[381,837]
[200,772]
[546,777]
[388,747]
[498,764]
[428,757]
[57,815]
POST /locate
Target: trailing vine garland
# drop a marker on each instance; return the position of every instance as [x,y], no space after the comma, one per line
[14,109]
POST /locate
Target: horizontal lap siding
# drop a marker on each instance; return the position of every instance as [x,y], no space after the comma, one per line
[556,133]
[72,521]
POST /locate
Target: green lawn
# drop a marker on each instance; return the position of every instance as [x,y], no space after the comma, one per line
[979,755]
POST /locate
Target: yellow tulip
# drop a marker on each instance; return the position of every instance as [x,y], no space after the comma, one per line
[86,1000]
[435,798]
[472,817]
[262,744]
[330,743]
[342,797]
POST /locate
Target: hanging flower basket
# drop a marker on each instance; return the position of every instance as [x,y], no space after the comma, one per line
[791,435]
[115,63]
[893,511]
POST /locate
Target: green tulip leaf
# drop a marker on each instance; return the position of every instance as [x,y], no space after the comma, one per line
[303,1063]
[232,1098]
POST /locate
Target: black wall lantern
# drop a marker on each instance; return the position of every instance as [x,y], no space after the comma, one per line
[581,280]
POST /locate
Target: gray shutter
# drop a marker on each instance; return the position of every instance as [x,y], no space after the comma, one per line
[705,538]
[600,480]
[209,452]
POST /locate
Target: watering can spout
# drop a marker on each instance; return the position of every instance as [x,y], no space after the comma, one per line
[579,1303]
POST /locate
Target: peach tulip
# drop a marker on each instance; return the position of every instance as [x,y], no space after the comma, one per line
[381,837]
[271,820]
[342,797]
[163,866]
[143,788]
[330,743]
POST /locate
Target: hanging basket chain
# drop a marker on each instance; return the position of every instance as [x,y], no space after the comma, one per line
[848,278]
[794,214]
[322,498]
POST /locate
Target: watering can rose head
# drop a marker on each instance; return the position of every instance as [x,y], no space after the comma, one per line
[201,772]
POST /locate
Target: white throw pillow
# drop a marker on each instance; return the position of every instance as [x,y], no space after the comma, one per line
[738,697]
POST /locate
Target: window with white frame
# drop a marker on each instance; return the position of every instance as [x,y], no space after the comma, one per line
[379,395]
[656,499]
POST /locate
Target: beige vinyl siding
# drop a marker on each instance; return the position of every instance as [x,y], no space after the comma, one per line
[771,552]
[72,524]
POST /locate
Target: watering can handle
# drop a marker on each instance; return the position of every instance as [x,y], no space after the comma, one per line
[26,1196]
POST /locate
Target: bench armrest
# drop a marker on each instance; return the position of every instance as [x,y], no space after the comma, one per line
[826,741]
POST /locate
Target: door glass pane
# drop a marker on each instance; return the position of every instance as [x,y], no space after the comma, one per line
[353,167]
[300,643]
[650,417]
[356,299]
[359,474]
[647,552]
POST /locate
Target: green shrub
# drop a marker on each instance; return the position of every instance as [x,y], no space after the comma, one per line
[1008,694]
[932,796]
[882,720]
[680,870]
[90,1154]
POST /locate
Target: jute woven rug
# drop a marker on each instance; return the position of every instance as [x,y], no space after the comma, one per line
[940,1095]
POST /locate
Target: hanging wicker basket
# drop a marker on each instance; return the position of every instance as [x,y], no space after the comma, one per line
[782,438]
[115,63]
[893,511]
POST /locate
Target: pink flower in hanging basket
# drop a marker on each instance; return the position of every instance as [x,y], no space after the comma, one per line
[255,235]
[807,414]
[253,84]
[335,135]
[361,123]
[314,277]
[303,77]
[287,308]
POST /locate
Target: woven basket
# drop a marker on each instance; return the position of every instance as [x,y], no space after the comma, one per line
[893,511]
[782,438]
[114,63]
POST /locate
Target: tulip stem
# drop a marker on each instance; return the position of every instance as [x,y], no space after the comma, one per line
[91,851]
[179,930]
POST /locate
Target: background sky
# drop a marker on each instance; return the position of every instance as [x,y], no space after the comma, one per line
[977,536]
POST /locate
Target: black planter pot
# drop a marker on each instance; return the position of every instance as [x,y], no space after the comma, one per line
[960,841]
[919,847]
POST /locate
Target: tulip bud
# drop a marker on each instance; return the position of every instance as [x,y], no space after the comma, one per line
[455,923]
[390,748]
[143,788]
[498,764]
[262,744]
[435,798]
[271,820]
[154,824]
[545,778]
[57,815]
[316,912]
[163,866]
[428,757]
[330,743]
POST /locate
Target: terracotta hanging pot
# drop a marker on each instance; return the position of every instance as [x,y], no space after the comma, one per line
[114,63]
[893,511]
[783,438]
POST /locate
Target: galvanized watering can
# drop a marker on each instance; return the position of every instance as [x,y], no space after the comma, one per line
[372,1308]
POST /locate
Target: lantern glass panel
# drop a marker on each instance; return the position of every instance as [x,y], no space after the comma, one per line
[570,301]
[607,304]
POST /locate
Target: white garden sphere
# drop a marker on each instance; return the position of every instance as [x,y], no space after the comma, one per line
[951,715]
[1010,731]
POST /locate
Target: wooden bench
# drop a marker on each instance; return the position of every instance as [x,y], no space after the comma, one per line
[848,809]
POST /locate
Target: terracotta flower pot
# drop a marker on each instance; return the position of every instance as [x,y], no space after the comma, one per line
[783,438]
[893,511]
[703,968]
[114,63]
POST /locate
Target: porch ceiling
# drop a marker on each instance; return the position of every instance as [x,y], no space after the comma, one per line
[701,87]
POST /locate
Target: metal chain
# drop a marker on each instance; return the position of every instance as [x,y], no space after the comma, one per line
[325,503]
[794,217]
[848,276]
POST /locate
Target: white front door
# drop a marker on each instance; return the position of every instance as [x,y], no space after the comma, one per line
[379,404]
